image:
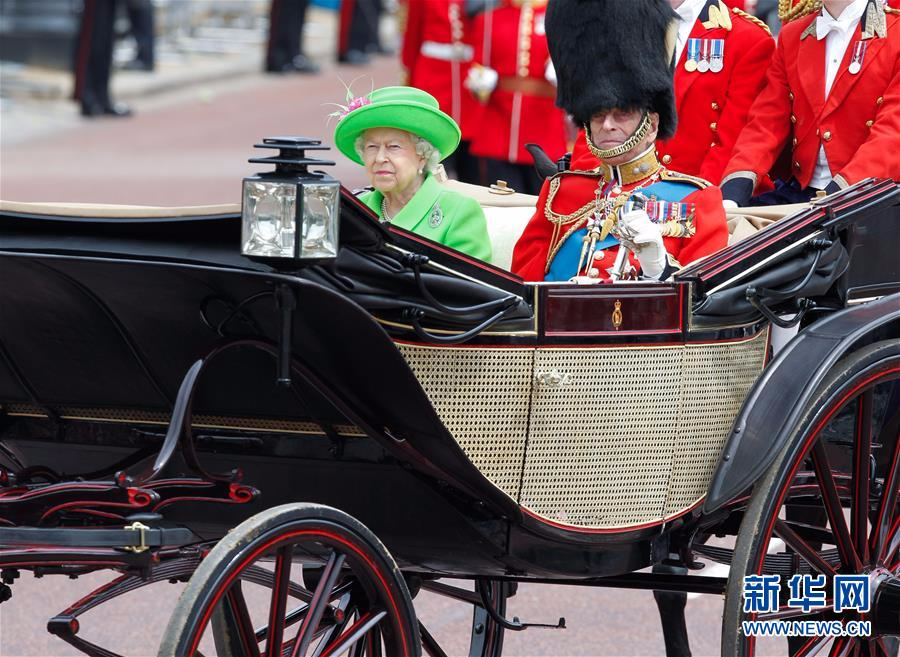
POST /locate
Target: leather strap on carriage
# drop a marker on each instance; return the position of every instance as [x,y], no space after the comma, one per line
[136,537]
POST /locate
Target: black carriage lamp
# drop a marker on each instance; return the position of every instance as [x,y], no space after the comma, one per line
[291,213]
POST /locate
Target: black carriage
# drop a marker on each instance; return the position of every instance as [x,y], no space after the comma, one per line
[342,430]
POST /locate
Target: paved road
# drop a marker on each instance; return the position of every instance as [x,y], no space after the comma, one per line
[190,148]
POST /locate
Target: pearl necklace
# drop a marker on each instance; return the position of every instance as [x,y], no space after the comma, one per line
[384,214]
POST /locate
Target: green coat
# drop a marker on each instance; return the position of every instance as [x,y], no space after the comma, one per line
[441,215]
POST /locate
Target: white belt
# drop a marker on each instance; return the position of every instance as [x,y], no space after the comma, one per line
[447,51]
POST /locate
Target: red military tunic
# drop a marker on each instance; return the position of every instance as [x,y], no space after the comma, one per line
[437,55]
[521,109]
[567,201]
[858,123]
[712,107]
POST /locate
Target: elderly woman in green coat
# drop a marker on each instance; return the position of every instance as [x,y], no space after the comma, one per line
[400,136]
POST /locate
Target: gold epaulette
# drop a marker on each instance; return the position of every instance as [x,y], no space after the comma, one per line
[676,176]
[890,10]
[753,19]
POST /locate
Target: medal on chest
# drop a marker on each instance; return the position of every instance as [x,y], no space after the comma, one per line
[717,60]
[703,64]
[693,55]
[859,54]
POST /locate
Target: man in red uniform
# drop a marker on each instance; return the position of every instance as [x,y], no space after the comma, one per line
[513,76]
[620,88]
[832,97]
[437,55]
[721,59]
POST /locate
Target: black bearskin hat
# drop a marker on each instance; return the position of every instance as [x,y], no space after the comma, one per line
[613,54]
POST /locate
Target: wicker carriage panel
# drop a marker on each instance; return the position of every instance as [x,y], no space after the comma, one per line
[482,397]
[600,449]
[717,378]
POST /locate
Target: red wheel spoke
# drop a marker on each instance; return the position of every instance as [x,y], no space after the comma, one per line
[366,623]
[832,503]
[886,510]
[862,453]
[317,605]
[813,646]
[881,649]
[237,608]
[338,629]
[893,543]
[801,547]
[840,648]
[283,561]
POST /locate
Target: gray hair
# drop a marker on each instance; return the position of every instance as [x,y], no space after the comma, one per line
[424,149]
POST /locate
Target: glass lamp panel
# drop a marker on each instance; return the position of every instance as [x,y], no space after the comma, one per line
[321,203]
[268,221]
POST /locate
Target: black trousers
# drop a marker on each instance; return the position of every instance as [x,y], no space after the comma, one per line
[93,53]
[286,19]
[521,177]
[785,193]
[359,21]
[140,17]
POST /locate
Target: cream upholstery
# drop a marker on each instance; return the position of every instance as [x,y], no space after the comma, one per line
[507,215]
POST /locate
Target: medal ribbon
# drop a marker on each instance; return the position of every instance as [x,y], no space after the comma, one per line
[859,53]
[718,46]
[693,49]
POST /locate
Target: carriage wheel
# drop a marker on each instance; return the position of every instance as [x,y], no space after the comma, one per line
[830,508]
[295,580]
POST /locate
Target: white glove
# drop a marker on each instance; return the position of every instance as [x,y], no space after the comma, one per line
[481,81]
[550,73]
[728,204]
[642,236]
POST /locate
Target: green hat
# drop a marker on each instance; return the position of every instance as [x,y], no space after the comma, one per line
[404,108]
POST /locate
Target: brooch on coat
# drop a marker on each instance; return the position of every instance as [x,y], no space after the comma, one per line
[437,216]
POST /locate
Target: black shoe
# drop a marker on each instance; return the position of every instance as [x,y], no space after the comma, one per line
[117,109]
[354,58]
[378,49]
[303,64]
[92,110]
[136,65]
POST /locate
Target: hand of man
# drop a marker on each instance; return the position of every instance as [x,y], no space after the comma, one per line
[481,81]
[738,190]
[642,236]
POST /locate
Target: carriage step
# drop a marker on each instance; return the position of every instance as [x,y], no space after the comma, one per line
[136,537]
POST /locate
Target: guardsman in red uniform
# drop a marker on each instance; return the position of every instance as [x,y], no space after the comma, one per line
[721,57]
[832,97]
[437,55]
[587,222]
[513,75]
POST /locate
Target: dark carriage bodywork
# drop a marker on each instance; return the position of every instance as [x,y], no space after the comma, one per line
[463,458]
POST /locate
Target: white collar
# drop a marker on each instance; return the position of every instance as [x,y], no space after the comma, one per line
[689,10]
[852,12]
